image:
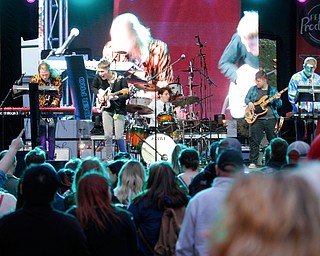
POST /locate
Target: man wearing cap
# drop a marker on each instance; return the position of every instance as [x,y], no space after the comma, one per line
[296,151]
[204,207]
[304,81]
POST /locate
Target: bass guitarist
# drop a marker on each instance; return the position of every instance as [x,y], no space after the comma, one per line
[265,123]
[114,110]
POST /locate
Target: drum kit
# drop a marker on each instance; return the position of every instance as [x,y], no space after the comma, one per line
[156,143]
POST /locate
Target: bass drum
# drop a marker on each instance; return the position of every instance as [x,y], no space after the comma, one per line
[165,146]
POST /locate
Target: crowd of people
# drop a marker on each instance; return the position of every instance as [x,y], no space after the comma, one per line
[222,206]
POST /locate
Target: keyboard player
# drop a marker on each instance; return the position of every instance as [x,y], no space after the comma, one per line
[48,76]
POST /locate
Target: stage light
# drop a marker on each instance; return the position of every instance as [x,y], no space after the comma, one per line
[302,1]
[31,1]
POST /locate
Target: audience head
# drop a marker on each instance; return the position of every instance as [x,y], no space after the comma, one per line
[278,149]
[88,164]
[65,177]
[122,156]
[39,184]
[175,157]
[189,159]
[35,156]
[297,150]
[267,154]
[94,193]
[229,161]
[131,181]
[113,169]
[314,151]
[73,163]
[14,164]
[287,222]
[163,188]
[213,150]
[228,143]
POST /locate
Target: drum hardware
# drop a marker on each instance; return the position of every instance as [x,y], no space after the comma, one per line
[146,87]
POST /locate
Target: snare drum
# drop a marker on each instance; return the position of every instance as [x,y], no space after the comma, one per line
[164,148]
[166,122]
[135,136]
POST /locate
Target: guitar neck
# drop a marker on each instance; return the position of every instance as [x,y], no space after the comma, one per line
[270,99]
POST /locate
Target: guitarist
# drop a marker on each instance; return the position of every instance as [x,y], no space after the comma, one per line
[113,116]
[265,123]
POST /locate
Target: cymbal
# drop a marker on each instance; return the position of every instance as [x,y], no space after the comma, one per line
[140,109]
[185,100]
[146,87]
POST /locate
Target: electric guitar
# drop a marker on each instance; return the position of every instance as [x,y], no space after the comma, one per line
[260,108]
[238,92]
[105,103]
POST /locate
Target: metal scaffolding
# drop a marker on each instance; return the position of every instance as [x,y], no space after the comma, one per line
[55,30]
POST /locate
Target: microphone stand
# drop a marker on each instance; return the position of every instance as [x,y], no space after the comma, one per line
[155,102]
[2,109]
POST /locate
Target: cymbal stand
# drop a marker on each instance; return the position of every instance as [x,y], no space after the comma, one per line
[2,109]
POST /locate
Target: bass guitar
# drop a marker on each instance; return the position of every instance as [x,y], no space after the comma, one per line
[105,103]
[260,108]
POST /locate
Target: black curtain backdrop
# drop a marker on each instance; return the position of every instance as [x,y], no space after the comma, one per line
[18,19]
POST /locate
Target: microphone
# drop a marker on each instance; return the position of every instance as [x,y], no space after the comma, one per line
[19,82]
[182,56]
[73,33]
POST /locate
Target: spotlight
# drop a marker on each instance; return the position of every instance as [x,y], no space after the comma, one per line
[31,1]
[302,1]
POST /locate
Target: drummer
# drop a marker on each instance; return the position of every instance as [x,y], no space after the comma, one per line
[160,105]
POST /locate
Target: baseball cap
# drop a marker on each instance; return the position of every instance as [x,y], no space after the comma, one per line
[230,160]
[301,148]
[229,143]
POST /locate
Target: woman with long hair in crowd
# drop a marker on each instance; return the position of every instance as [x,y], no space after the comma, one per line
[130,182]
[109,230]
[162,192]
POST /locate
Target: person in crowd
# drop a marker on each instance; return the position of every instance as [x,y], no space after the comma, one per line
[265,122]
[314,150]
[241,231]
[297,152]
[302,101]
[162,191]
[175,157]
[189,162]
[108,229]
[161,106]
[131,41]
[37,226]
[112,91]
[48,76]
[239,62]
[37,156]
[88,164]
[131,181]
[200,214]
[206,176]
[7,202]
[11,184]
[7,161]
[113,169]
[278,156]
[65,177]
[73,163]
